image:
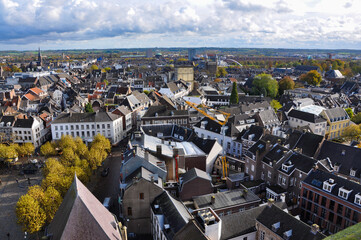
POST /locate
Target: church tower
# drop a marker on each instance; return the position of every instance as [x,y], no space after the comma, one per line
[40,60]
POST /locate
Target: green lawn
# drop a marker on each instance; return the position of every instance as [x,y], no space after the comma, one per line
[350,233]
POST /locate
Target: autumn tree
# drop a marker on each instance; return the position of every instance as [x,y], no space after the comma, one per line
[94,67]
[48,149]
[357,118]
[349,112]
[266,85]
[275,105]
[352,132]
[30,214]
[221,72]
[286,83]
[81,148]
[234,99]
[28,148]
[67,141]
[51,202]
[101,143]
[312,77]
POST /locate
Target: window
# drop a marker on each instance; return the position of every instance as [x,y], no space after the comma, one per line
[252,168]
[332,205]
[323,213]
[358,199]
[339,208]
[327,186]
[283,181]
[323,201]
[343,193]
[141,195]
[130,213]
[56,128]
[262,235]
[348,212]
[330,216]
[355,216]
[269,174]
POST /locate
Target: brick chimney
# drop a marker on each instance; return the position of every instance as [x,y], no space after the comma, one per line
[159,150]
[315,228]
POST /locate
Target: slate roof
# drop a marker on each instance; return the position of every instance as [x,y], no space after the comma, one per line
[225,199]
[240,223]
[81,216]
[85,117]
[158,111]
[276,153]
[336,114]
[256,130]
[305,68]
[24,123]
[305,116]
[346,156]
[334,74]
[215,127]
[317,177]
[300,230]
[309,143]
[300,162]
[205,145]
[268,117]
[175,213]
[193,174]
[292,139]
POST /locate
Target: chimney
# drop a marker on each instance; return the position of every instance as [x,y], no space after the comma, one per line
[315,228]
[159,150]
[213,199]
[270,202]
[268,145]
[146,155]
[175,152]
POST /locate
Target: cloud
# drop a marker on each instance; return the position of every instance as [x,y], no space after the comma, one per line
[347,5]
[234,22]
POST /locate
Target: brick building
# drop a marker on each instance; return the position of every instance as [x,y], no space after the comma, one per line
[332,202]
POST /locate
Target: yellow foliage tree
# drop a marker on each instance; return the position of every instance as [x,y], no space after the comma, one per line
[51,202]
[30,214]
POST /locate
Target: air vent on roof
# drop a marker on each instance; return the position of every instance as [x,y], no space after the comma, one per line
[156,206]
[331,180]
[166,226]
[343,152]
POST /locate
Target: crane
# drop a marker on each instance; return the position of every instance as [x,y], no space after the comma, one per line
[223,131]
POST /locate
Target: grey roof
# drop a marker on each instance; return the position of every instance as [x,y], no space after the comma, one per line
[305,116]
[225,199]
[240,223]
[85,117]
[173,87]
[193,174]
[81,216]
[155,111]
[124,110]
[346,157]
[268,117]
[336,114]
[24,123]
[300,230]
[175,213]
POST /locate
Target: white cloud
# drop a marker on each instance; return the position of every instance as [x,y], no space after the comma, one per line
[277,23]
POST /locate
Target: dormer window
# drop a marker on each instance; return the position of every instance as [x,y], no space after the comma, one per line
[352,172]
[343,153]
[358,199]
[342,192]
[328,185]
[276,226]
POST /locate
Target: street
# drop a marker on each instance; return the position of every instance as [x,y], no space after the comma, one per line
[109,186]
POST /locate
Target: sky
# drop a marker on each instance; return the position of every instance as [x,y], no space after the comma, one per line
[98,24]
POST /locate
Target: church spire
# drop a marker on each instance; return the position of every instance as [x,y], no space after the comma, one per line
[40,60]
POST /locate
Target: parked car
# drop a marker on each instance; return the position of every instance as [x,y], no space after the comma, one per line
[107,202]
[105,172]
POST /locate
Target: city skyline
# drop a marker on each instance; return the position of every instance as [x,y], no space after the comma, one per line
[217,23]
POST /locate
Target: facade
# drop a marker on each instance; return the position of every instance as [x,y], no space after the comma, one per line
[156,115]
[88,125]
[337,121]
[332,202]
[298,119]
[185,73]
[194,182]
[30,130]
[142,186]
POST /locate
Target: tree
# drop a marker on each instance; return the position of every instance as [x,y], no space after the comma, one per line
[96,156]
[312,77]
[8,152]
[94,67]
[357,118]
[67,141]
[286,83]
[89,108]
[275,105]
[266,85]
[28,148]
[349,112]
[234,99]
[101,143]
[221,72]
[29,213]
[68,157]
[14,68]
[51,202]
[37,193]
[351,132]
[48,149]
[107,69]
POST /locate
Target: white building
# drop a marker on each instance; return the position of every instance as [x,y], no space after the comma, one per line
[301,119]
[88,125]
[30,130]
